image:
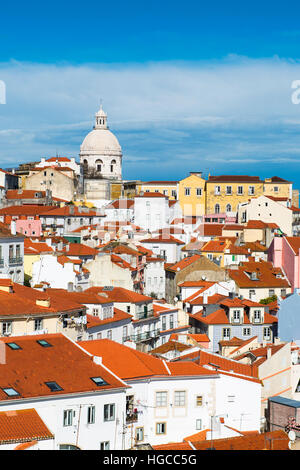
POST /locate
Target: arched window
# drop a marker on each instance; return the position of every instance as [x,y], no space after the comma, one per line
[99,164]
[112,165]
[217,209]
[228,208]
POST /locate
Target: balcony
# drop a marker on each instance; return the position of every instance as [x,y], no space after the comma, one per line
[143,315]
[145,336]
[132,417]
[17,260]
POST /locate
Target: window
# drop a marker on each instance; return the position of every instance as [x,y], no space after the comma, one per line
[283,293]
[99,381]
[99,335]
[164,323]
[271,292]
[13,346]
[161,399]
[226,333]
[217,189]
[199,400]
[198,424]
[256,316]
[174,194]
[276,189]
[179,398]
[252,293]
[199,191]
[68,417]
[161,428]
[228,190]
[91,414]
[251,190]
[128,308]
[11,251]
[125,333]
[18,251]
[228,208]
[6,327]
[187,191]
[10,392]
[267,333]
[44,343]
[109,334]
[104,445]
[171,322]
[54,387]
[90,337]
[38,324]
[109,412]
[246,331]
[68,447]
[236,316]
[217,209]
[139,434]
[240,190]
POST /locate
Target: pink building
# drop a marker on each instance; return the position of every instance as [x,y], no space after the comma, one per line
[284,253]
[29,227]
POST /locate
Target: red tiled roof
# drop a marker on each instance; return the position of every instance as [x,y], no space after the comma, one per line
[294,242]
[184,263]
[119,294]
[121,204]
[28,369]
[210,230]
[22,302]
[151,194]
[173,446]
[162,239]
[129,363]
[24,194]
[22,426]
[275,440]
[266,275]
[77,249]
[119,315]
[59,159]
[234,179]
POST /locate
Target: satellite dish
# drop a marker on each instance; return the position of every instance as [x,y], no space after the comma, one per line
[292,435]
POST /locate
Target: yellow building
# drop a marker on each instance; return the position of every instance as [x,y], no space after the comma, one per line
[225,192]
[278,187]
[168,188]
[191,194]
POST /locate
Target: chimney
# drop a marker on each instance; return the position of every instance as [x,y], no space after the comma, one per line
[97,360]
[13,227]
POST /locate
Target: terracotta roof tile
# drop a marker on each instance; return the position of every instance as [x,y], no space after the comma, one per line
[22,426]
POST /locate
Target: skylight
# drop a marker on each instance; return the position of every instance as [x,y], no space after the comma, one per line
[99,381]
[10,392]
[13,346]
[54,387]
[44,343]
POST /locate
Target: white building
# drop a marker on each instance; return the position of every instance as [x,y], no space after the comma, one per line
[151,211]
[60,273]
[170,400]
[80,401]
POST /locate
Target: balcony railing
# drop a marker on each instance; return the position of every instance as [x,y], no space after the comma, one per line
[132,417]
[143,315]
[17,260]
[145,336]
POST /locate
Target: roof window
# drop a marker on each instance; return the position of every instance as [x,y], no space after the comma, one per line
[54,387]
[13,346]
[99,381]
[44,343]
[10,392]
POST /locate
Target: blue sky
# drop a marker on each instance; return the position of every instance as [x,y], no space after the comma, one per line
[187,85]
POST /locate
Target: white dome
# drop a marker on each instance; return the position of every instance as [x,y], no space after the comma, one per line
[100,142]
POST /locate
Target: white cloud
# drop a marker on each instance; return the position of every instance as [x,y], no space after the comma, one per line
[235,110]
